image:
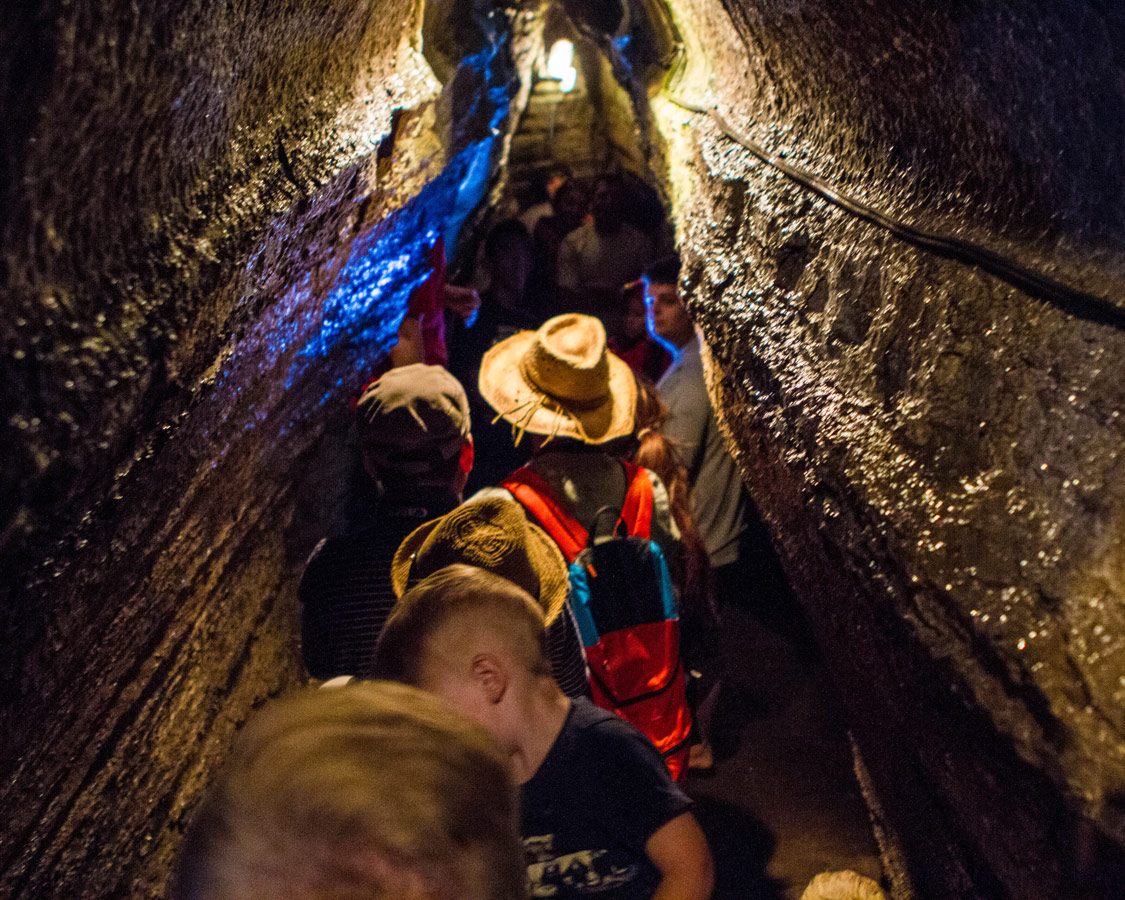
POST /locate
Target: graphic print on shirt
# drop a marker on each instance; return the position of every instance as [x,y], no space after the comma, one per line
[580,874]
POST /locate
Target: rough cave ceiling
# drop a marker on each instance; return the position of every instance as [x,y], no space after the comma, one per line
[211,221]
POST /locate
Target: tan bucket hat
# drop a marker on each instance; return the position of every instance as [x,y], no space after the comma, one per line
[412,418]
[561,381]
[493,534]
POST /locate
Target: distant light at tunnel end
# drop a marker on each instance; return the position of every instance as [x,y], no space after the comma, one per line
[560,65]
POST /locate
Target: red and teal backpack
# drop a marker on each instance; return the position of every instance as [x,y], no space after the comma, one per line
[626,611]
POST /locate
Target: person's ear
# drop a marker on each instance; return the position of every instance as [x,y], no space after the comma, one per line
[465,461]
[464,464]
[491,676]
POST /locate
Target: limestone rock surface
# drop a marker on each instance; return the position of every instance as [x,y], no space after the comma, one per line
[938,452]
[211,218]
[213,214]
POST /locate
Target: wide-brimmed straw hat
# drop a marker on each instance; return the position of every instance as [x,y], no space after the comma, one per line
[492,534]
[561,381]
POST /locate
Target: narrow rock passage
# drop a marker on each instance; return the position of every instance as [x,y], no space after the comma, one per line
[782,803]
[211,217]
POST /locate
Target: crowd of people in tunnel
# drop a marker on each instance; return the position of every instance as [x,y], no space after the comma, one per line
[513,684]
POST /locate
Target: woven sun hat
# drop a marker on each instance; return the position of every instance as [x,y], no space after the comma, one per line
[492,534]
[561,381]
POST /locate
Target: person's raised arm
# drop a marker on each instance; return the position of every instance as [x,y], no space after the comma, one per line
[680,853]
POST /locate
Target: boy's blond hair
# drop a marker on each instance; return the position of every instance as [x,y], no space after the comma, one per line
[452,608]
[373,790]
[846,885]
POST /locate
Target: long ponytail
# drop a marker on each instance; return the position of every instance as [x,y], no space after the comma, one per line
[656,452]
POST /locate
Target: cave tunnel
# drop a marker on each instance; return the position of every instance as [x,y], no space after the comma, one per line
[903,235]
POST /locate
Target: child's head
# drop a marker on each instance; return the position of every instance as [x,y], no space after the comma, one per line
[846,885]
[473,638]
[370,790]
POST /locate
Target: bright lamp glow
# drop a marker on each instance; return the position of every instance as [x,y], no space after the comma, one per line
[560,65]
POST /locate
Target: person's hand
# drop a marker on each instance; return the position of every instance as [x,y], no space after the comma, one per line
[462,300]
[409,349]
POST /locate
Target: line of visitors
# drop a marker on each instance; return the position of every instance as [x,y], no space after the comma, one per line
[581,250]
[600,805]
[556,631]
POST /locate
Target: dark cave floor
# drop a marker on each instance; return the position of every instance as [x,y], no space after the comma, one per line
[782,802]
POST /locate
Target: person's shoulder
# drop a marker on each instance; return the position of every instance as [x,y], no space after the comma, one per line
[341,546]
[336,561]
[691,354]
[585,714]
[681,375]
[603,731]
[621,766]
[534,214]
[689,365]
[578,236]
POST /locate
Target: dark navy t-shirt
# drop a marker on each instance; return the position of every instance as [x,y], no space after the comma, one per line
[591,807]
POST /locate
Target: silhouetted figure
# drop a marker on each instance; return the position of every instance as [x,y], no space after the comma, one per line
[414,438]
[645,212]
[599,258]
[505,309]
[547,185]
[570,205]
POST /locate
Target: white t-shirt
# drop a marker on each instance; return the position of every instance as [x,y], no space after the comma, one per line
[718,503]
[604,262]
[530,217]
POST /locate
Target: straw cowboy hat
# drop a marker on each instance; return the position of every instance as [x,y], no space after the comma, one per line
[561,381]
[492,534]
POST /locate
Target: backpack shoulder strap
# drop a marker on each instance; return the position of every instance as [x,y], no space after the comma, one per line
[535,495]
[636,512]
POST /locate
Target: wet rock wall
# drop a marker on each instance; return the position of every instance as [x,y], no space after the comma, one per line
[212,218]
[938,452]
[213,215]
